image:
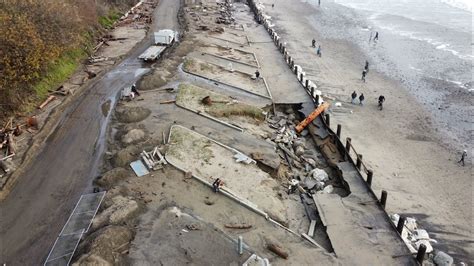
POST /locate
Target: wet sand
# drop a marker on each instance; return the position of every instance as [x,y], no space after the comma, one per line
[409,156]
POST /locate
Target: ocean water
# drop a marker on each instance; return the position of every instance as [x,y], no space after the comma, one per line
[427,45]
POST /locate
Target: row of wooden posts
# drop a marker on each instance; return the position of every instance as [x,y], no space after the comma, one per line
[362,168]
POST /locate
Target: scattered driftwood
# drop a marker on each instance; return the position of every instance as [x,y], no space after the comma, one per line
[166,102]
[238,226]
[11,144]
[278,250]
[50,99]
[288,152]
[161,89]
[208,101]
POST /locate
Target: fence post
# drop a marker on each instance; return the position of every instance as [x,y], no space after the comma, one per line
[370,174]
[338,131]
[328,120]
[401,224]
[383,198]
[420,256]
[359,161]
[348,145]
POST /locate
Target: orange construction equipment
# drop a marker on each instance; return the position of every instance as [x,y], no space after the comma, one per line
[321,108]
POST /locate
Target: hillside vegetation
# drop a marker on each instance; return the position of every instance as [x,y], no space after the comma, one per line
[43,42]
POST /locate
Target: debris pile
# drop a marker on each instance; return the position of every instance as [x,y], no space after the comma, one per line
[303,173]
[150,161]
[8,143]
[414,237]
[225,13]
[140,14]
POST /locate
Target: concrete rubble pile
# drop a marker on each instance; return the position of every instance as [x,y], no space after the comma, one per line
[414,237]
[225,13]
[302,162]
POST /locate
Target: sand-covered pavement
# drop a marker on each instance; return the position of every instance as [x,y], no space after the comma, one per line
[399,143]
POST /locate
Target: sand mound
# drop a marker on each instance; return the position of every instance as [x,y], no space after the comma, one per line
[125,156]
[133,114]
[106,246]
[121,209]
[133,136]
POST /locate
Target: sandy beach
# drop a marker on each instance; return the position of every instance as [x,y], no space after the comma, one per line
[410,155]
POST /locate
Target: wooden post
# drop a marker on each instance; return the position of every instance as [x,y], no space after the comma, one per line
[339,129]
[383,198]
[370,174]
[420,256]
[301,77]
[328,120]
[307,84]
[312,91]
[359,161]
[348,145]
[401,224]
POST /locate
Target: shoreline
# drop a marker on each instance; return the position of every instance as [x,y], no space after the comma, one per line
[421,174]
[448,103]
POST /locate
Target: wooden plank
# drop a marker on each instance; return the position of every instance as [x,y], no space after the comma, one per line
[312,227]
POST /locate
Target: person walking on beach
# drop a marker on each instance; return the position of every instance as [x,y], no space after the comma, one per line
[376,38]
[257,74]
[134,89]
[313,43]
[318,52]
[463,156]
[353,96]
[216,185]
[381,100]
[366,66]
[361,99]
[364,73]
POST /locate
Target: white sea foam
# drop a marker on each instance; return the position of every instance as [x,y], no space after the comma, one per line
[462,4]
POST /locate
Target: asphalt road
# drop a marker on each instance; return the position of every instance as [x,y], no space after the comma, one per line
[33,214]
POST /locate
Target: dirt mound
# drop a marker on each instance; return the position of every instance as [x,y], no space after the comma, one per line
[157,79]
[106,246]
[133,136]
[125,156]
[112,177]
[132,114]
[92,260]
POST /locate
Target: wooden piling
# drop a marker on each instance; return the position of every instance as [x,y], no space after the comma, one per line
[401,224]
[383,198]
[338,131]
[370,174]
[420,256]
[359,161]
[348,145]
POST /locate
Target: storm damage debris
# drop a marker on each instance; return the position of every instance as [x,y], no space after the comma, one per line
[149,161]
[411,235]
[225,13]
[303,174]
